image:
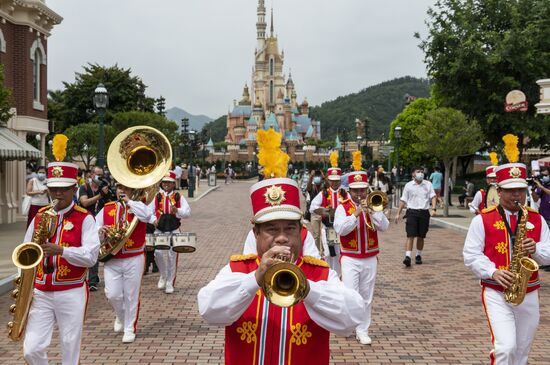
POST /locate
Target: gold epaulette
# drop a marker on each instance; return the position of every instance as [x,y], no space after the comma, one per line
[78,208]
[252,256]
[314,261]
[44,208]
[110,203]
[487,210]
[532,210]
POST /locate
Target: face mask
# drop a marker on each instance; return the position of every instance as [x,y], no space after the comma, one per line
[317,180]
[41,176]
[419,176]
[546,179]
[89,180]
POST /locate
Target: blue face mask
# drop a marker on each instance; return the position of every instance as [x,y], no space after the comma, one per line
[545,179]
[317,180]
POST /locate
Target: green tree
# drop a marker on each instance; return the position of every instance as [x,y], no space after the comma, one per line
[124,120]
[216,129]
[409,120]
[6,101]
[74,104]
[479,50]
[446,133]
[83,141]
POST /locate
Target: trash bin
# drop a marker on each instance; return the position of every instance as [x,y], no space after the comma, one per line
[211,179]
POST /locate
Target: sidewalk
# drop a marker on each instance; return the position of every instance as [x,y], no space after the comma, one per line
[458,220]
[12,235]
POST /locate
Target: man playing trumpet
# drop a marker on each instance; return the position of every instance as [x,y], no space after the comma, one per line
[123,273]
[258,331]
[357,228]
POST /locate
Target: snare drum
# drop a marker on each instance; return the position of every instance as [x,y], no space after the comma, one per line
[332,237]
[162,241]
[184,242]
[150,242]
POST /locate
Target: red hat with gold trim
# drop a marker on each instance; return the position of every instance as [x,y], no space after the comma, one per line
[61,174]
[490,171]
[275,197]
[170,177]
[511,175]
[334,172]
[357,179]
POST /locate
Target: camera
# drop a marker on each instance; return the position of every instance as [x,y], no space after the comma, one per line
[531,180]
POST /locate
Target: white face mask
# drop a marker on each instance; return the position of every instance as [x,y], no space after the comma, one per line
[317,180]
[41,176]
[419,176]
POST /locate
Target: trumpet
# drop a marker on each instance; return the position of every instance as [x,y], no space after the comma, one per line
[376,201]
[284,283]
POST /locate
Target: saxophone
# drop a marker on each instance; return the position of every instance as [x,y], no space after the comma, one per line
[521,266]
[27,256]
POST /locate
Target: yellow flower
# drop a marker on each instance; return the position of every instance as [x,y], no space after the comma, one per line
[248,332]
[501,247]
[300,334]
[500,225]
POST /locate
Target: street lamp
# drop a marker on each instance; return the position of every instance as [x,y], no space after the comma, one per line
[101,101]
[191,169]
[184,135]
[397,134]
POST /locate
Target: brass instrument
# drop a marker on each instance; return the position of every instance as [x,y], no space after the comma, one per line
[285,284]
[27,256]
[376,201]
[139,157]
[521,266]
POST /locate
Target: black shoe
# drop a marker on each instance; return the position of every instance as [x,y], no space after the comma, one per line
[418,260]
[93,288]
[155,268]
[407,261]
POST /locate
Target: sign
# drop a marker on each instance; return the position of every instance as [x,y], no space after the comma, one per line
[516,102]
[385,150]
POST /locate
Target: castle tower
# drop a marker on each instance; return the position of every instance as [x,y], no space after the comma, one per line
[261,25]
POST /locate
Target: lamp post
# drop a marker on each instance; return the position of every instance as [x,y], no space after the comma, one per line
[191,169]
[397,134]
[101,101]
[184,135]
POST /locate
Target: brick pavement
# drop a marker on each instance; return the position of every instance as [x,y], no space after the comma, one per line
[429,314]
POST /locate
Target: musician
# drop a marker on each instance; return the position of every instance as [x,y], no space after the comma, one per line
[480,199]
[488,251]
[61,292]
[308,244]
[260,332]
[324,204]
[357,228]
[169,207]
[123,273]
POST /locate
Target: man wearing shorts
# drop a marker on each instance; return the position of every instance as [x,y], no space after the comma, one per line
[417,196]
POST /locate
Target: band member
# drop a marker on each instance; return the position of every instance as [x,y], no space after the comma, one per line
[488,251]
[324,205]
[169,207]
[60,292]
[123,273]
[480,199]
[308,244]
[357,228]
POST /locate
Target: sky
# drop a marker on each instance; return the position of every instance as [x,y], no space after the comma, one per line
[198,54]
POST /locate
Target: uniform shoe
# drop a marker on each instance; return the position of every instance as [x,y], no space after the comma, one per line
[118,327]
[407,261]
[162,283]
[418,260]
[128,337]
[93,287]
[363,338]
[169,288]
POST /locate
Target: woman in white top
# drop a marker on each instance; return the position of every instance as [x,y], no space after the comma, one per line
[38,192]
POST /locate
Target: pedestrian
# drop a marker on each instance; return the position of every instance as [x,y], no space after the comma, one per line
[436,178]
[468,192]
[228,174]
[38,192]
[198,173]
[178,170]
[481,200]
[417,196]
[170,208]
[488,249]
[124,271]
[60,292]
[184,177]
[357,227]
[314,187]
[235,298]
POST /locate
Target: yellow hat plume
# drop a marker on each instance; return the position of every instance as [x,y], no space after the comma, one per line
[333,159]
[270,156]
[59,147]
[356,160]
[494,158]
[511,147]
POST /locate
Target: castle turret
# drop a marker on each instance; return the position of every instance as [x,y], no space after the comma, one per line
[261,25]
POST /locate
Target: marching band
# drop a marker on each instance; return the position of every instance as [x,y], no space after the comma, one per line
[281,297]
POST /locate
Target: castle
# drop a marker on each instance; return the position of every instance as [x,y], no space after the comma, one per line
[272,102]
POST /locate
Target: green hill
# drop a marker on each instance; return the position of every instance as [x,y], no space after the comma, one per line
[379,104]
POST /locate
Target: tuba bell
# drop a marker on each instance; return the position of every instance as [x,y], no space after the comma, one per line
[376,201]
[139,157]
[285,284]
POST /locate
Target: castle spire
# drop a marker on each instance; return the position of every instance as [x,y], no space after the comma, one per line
[261,24]
[271,22]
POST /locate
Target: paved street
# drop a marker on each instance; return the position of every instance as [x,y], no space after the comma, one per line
[429,314]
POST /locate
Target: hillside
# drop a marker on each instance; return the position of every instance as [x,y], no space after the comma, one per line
[379,103]
[195,121]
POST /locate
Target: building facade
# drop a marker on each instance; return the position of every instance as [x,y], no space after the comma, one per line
[271,102]
[25,26]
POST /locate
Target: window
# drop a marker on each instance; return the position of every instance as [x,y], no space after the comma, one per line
[271,66]
[271,92]
[2,42]
[38,58]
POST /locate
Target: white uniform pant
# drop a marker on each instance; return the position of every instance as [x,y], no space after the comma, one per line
[122,288]
[167,262]
[360,275]
[333,261]
[512,327]
[67,308]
